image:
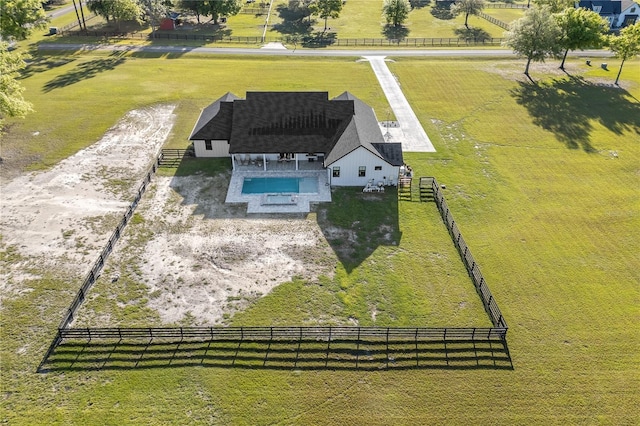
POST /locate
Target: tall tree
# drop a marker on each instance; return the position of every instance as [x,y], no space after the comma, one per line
[626,45]
[534,36]
[18,18]
[326,9]
[100,8]
[197,7]
[125,10]
[12,104]
[118,10]
[580,29]
[555,6]
[396,11]
[155,11]
[468,7]
[218,8]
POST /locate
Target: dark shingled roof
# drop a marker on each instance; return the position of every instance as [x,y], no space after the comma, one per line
[363,130]
[609,7]
[391,152]
[215,120]
[275,122]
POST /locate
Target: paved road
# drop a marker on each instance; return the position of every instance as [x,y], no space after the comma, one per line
[303,52]
[62,11]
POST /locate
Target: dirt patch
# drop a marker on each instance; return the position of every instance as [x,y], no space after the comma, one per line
[198,259]
[207,261]
[61,218]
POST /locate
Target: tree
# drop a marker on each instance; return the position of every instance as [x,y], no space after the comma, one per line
[396,11]
[555,6]
[100,8]
[155,11]
[125,10]
[580,29]
[468,7]
[326,9]
[626,45]
[18,18]
[118,10]
[218,8]
[12,104]
[534,36]
[197,7]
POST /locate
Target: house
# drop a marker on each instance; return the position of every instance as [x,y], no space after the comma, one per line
[298,130]
[619,13]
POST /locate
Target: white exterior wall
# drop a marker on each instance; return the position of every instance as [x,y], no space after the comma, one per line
[634,9]
[220,149]
[349,166]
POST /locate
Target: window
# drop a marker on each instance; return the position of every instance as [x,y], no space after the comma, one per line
[336,172]
[378,168]
[207,146]
[362,171]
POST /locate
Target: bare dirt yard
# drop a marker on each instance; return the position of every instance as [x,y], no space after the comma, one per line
[189,252]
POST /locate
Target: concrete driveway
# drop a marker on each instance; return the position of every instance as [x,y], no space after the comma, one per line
[410,132]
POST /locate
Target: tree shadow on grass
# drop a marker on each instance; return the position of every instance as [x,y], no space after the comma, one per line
[42,63]
[395,33]
[355,223]
[567,106]
[419,4]
[442,10]
[85,71]
[472,34]
[293,21]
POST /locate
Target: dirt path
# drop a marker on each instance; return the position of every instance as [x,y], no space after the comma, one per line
[62,217]
[199,258]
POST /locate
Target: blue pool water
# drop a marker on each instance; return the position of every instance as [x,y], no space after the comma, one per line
[304,185]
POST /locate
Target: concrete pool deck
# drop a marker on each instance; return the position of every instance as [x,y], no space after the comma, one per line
[255,203]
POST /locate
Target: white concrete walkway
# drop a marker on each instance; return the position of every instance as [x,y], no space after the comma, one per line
[410,134]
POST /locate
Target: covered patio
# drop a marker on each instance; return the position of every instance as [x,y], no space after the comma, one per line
[277,162]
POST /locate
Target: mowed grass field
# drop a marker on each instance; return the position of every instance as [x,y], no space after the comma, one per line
[543,180]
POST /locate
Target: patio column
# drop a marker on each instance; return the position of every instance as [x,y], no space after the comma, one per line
[264,162]
[233,163]
[296,161]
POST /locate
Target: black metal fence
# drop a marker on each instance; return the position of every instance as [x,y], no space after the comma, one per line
[268,333]
[94,273]
[287,333]
[479,282]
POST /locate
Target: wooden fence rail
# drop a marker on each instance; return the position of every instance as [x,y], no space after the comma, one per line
[307,42]
[490,305]
[494,21]
[489,5]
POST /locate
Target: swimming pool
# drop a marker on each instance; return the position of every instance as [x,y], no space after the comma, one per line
[297,185]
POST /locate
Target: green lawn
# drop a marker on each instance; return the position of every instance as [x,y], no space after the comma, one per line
[505,15]
[551,214]
[359,19]
[364,19]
